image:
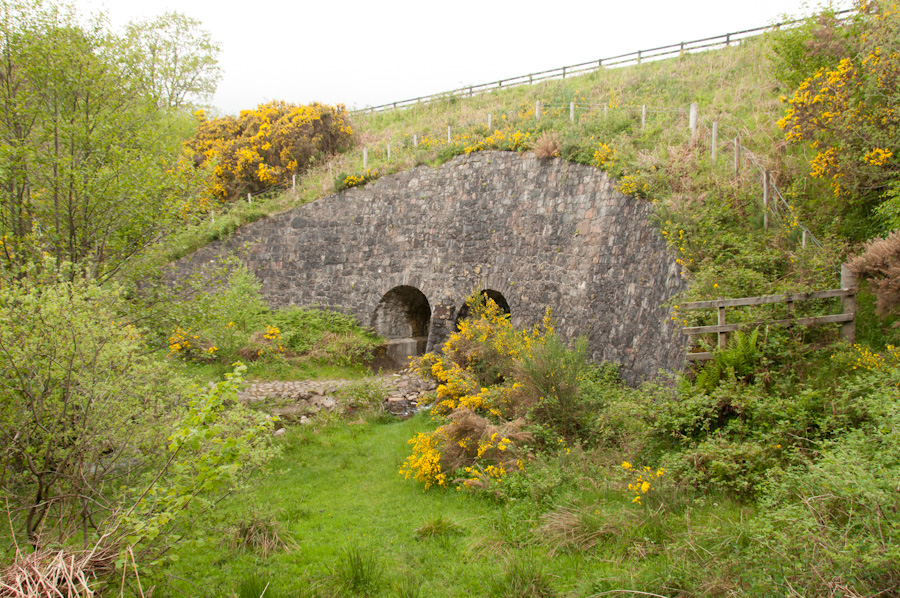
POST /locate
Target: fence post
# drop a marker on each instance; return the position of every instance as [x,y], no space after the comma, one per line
[530,81]
[489,123]
[766,199]
[293,181]
[715,140]
[330,171]
[737,155]
[643,116]
[564,72]
[723,338]
[639,56]
[805,236]
[365,158]
[694,118]
[389,151]
[605,110]
[848,304]
[448,134]
[249,199]
[415,140]
[571,111]
[728,39]
[537,110]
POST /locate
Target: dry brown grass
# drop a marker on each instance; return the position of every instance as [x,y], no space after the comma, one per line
[57,573]
[580,527]
[260,533]
[467,431]
[547,145]
[879,263]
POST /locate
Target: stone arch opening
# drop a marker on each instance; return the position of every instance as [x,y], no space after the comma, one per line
[403,317]
[485,294]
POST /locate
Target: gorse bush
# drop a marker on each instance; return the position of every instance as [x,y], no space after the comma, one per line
[846,93]
[265,146]
[551,378]
[500,390]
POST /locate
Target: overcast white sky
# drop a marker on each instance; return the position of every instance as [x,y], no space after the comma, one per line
[368,53]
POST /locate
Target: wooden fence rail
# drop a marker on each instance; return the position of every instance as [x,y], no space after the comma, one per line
[847,317]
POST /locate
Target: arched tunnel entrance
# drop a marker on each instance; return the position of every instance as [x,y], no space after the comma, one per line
[403,317]
[485,294]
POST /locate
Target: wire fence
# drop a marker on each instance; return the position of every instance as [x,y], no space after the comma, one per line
[777,211]
[631,58]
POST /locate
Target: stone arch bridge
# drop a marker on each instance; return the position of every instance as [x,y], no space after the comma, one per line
[403,253]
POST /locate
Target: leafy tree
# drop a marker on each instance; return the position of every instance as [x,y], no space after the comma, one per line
[265,146]
[100,440]
[82,408]
[176,59]
[88,160]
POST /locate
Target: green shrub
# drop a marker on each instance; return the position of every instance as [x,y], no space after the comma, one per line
[552,375]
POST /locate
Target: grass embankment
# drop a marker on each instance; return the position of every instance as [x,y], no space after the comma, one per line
[733,86]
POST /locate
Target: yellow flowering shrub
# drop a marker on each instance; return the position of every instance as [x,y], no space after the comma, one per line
[424,465]
[847,106]
[265,146]
[604,157]
[641,480]
[469,451]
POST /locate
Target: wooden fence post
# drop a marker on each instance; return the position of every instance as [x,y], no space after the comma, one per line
[489,123]
[737,155]
[694,118]
[643,116]
[805,237]
[537,110]
[249,199]
[571,111]
[723,336]
[415,140]
[389,151]
[448,134]
[848,304]
[365,158]
[766,199]
[715,140]
[293,181]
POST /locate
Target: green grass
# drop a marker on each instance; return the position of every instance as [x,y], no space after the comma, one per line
[336,491]
[276,370]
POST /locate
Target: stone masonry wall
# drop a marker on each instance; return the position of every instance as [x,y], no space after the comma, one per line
[540,232]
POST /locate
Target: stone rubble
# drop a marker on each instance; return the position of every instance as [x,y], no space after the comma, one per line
[296,401]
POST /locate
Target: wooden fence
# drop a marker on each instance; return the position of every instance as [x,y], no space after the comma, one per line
[847,317]
[697,45]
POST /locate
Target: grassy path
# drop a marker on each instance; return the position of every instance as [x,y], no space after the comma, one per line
[340,487]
